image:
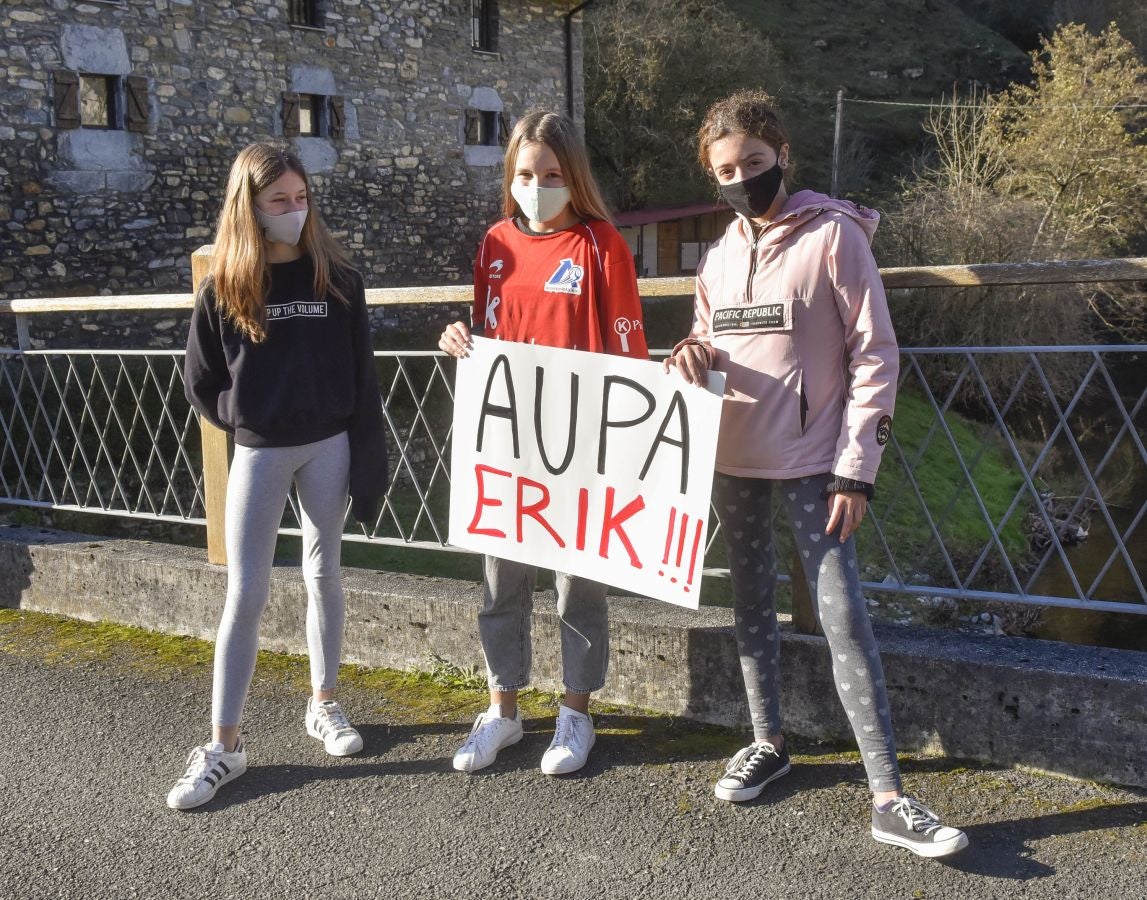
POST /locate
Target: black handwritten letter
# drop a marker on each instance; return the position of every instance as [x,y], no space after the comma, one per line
[677,404]
[607,423]
[502,412]
[571,436]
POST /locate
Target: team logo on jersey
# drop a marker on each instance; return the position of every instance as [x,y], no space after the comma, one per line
[566,278]
[495,269]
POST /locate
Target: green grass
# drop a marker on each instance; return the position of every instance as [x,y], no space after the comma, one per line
[947,495]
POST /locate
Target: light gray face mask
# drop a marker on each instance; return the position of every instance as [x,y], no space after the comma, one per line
[540,204]
[283,229]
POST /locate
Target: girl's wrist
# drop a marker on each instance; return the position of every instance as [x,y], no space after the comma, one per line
[693,342]
[841,485]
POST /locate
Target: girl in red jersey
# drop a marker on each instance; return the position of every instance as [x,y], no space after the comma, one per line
[554,272]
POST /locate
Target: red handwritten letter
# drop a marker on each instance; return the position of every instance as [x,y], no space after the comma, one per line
[534,510]
[483,500]
[612,523]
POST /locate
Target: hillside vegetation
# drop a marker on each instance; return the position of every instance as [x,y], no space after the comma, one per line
[653,66]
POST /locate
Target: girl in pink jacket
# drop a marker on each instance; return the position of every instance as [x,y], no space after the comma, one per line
[791,308]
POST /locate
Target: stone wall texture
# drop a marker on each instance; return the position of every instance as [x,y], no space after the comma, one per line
[88,211]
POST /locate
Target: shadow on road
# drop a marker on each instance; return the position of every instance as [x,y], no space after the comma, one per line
[1011,855]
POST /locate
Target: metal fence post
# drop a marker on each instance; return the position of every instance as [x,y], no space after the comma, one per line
[216,446]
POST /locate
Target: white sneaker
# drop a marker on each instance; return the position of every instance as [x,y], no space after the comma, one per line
[208,768]
[327,722]
[491,732]
[571,744]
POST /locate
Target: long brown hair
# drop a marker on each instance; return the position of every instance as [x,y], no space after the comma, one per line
[560,135]
[751,112]
[239,275]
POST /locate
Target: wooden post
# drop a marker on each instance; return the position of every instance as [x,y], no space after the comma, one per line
[216,446]
[804,619]
[23,336]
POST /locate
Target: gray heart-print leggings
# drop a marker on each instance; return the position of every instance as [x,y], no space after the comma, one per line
[744,506]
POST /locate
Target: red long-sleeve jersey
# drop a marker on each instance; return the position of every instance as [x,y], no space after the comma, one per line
[575,289]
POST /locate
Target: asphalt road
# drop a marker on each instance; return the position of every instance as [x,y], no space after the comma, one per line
[92,744]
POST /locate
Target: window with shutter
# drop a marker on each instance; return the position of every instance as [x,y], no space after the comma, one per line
[66,90]
[503,129]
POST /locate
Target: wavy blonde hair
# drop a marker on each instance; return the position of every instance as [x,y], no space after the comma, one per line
[239,274]
[560,135]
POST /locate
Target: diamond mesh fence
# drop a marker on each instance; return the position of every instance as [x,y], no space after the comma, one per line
[1035,493]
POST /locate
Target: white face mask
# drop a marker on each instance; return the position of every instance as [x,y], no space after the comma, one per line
[540,204]
[283,229]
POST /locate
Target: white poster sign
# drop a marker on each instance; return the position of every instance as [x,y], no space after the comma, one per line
[590,464]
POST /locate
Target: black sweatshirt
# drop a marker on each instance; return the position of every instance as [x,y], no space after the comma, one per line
[312,377]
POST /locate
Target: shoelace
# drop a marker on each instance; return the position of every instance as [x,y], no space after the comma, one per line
[748,760]
[566,731]
[916,815]
[478,734]
[199,763]
[331,717]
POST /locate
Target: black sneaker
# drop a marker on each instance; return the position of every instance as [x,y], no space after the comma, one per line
[910,824]
[750,770]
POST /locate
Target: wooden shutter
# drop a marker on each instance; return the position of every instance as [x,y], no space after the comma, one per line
[66,93]
[473,118]
[337,108]
[290,114]
[137,105]
[503,129]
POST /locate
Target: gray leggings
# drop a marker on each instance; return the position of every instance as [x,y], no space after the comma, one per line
[256,495]
[744,506]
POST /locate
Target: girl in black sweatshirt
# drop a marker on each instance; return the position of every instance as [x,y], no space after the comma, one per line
[280,357]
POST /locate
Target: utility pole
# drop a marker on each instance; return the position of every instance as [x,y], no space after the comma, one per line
[836,144]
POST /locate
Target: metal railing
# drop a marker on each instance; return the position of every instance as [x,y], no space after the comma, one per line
[977,507]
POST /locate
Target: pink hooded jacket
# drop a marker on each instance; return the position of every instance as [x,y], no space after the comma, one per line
[798,322]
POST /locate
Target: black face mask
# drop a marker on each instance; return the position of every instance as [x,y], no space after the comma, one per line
[753,196]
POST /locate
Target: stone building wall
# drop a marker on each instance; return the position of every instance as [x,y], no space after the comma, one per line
[90,211]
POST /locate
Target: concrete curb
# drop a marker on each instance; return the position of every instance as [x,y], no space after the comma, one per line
[1078,711]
